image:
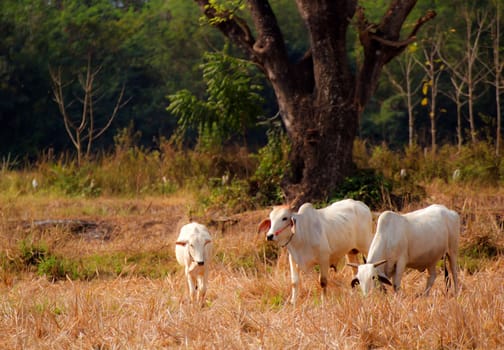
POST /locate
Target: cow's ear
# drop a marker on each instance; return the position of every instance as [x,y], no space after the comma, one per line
[182,243]
[383,279]
[293,222]
[264,226]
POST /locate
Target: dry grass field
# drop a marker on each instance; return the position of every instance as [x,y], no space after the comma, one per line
[135,296]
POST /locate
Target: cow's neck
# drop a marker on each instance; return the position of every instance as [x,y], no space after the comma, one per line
[299,250]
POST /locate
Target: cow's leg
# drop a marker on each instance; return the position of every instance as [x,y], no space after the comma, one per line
[191,283]
[399,270]
[453,269]
[324,271]
[430,280]
[202,287]
[294,270]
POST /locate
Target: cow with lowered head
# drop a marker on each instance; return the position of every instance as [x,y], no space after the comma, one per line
[417,240]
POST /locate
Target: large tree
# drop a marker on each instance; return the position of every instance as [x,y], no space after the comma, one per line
[321,95]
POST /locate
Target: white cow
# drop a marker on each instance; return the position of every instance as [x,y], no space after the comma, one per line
[320,236]
[416,240]
[193,250]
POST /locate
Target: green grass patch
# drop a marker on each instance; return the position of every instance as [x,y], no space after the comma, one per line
[37,258]
[477,252]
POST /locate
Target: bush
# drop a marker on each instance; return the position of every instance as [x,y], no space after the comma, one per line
[367,186]
[32,254]
[265,184]
[479,165]
[55,268]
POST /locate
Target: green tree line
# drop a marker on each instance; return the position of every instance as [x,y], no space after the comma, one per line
[158,53]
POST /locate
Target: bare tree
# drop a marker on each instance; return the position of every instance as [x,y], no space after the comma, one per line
[496,71]
[464,67]
[407,87]
[320,96]
[433,67]
[459,97]
[81,129]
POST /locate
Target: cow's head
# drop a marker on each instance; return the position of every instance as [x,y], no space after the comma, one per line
[196,248]
[368,275]
[279,225]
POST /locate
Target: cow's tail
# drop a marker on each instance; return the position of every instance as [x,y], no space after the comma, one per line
[446,276]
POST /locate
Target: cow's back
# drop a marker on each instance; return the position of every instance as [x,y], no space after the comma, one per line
[430,232]
[350,224]
[390,239]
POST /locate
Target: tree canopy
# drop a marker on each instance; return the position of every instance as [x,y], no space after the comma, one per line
[154,49]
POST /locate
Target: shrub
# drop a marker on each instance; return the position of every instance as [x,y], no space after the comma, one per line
[265,184]
[385,161]
[367,186]
[479,165]
[474,253]
[55,268]
[32,254]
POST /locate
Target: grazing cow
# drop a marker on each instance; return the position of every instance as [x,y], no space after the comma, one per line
[193,250]
[320,236]
[416,240]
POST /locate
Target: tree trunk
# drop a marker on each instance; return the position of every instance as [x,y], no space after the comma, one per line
[322,142]
[319,97]
[459,125]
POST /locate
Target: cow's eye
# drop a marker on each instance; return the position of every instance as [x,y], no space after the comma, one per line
[284,219]
[374,278]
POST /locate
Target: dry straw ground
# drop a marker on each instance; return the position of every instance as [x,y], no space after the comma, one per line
[246,307]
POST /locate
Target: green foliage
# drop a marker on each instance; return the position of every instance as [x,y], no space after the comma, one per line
[74,181]
[385,161]
[132,169]
[56,268]
[229,198]
[367,186]
[231,105]
[235,191]
[130,43]
[483,247]
[273,165]
[32,254]
[479,165]
[37,257]
[225,9]
[474,253]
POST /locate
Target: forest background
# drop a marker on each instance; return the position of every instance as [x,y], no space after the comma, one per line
[161,88]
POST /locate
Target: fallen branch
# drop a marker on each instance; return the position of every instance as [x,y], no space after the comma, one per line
[85,228]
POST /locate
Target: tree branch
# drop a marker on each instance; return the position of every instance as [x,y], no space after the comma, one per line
[382,43]
[60,101]
[117,106]
[233,27]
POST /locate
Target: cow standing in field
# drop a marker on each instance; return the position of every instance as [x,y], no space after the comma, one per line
[416,240]
[319,236]
[193,250]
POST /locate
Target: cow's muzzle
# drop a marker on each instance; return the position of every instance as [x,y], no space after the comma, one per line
[270,237]
[201,263]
